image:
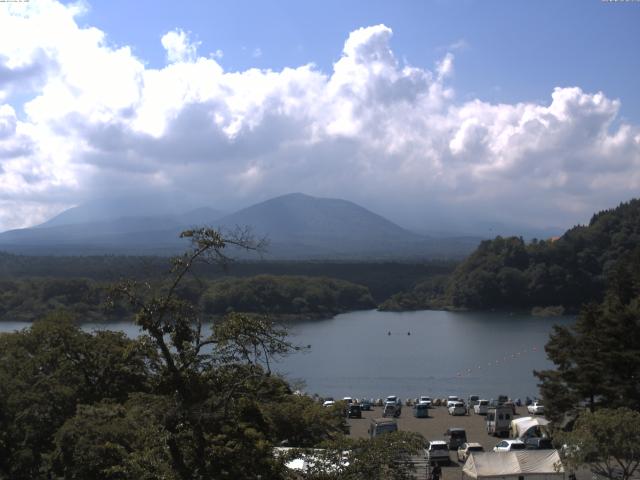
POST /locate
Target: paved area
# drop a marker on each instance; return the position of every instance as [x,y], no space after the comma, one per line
[433,428]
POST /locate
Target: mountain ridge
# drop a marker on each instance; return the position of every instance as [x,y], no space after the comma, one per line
[298,226]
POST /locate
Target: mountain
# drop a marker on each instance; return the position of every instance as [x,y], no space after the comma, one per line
[110,209]
[302,226]
[332,225]
[297,226]
[87,230]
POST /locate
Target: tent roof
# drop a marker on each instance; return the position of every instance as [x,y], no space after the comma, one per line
[531,420]
[521,462]
[523,424]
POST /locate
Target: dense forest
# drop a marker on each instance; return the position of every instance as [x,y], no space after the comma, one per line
[89,301]
[509,273]
[286,295]
[383,279]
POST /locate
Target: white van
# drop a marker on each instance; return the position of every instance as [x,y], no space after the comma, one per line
[481,407]
[452,399]
[498,421]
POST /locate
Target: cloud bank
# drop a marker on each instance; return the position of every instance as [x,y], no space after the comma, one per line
[81,118]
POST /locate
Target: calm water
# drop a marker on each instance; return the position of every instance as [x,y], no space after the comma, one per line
[446,354]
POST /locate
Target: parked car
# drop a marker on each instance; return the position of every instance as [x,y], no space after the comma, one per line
[437,452]
[455,437]
[538,443]
[481,407]
[425,400]
[457,408]
[536,408]
[347,400]
[393,399]
[365,405]
[451,399]
[466,449]
[391,410]
[354,411]
[509,446]
[379,426]
[328,403]
[421,410]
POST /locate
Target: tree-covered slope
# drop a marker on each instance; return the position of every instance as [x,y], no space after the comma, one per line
[568,271]
[286,295]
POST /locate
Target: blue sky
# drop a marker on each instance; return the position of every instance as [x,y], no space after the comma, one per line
[439,115]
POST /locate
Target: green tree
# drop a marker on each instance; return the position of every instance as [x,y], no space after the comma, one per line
[606,441]
[109,441]
[384,457]
[213,381]
[49,369]
[598,359]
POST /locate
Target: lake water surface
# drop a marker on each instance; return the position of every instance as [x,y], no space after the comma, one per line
[446,353]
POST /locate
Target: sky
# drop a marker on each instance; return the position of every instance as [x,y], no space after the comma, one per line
[433,113]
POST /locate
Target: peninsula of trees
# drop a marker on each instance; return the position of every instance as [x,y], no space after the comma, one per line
[510,273]
[33,298]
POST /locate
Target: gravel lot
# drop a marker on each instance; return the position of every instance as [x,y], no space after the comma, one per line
[433,428]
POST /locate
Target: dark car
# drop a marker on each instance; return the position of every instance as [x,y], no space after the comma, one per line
[365,405]
[537,443]
[455,437]
[354,411]
[378,426]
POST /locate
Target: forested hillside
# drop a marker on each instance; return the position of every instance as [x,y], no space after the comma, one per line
[509,273]
[569,271]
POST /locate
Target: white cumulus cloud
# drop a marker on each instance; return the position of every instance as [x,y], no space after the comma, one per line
[179,47]
[392,136]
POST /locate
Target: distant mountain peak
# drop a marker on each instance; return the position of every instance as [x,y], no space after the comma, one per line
[297,225]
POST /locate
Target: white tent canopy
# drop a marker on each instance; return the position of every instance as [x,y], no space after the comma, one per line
[520,426]
[541,464]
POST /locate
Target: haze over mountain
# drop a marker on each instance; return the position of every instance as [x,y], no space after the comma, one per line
[140,206]
[296,225]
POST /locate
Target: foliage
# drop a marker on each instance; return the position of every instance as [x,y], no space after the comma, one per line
[49,369]
[384,457]
[598,359]
[383,279]
[108,440]
[29,299]
[286,295]
[607,441]
[425,295]
[299,421]
[569,271]
[33,298]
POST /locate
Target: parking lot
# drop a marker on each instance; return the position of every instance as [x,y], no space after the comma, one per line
[433,428]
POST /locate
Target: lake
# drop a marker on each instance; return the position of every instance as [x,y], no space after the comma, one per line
[436,353]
